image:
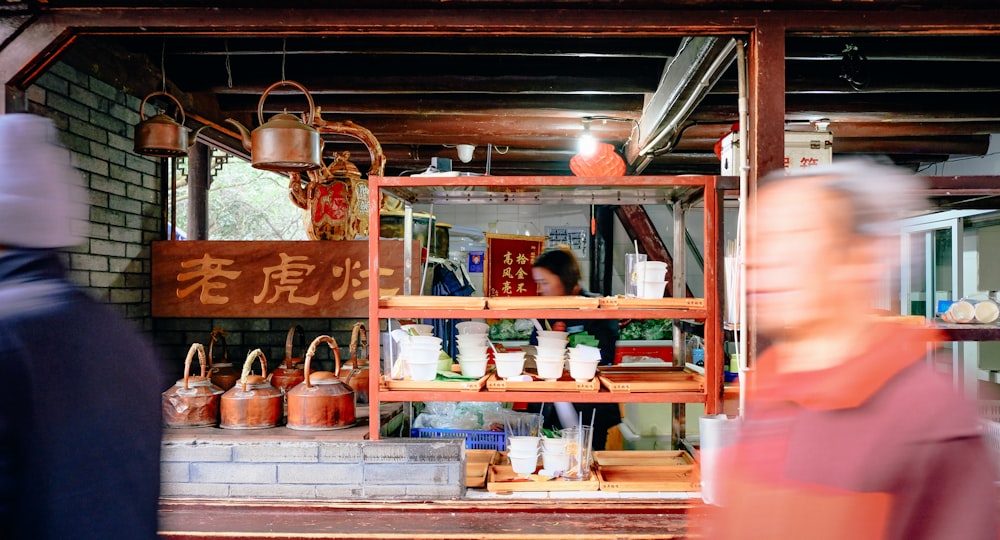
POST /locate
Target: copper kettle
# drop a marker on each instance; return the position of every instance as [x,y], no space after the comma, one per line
[161,135]
[192,401]
[357,375]
[321,401]
[252,403]
[223,374]
[284,143]
[290,372]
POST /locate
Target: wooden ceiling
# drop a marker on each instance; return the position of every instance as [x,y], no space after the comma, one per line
[668,93]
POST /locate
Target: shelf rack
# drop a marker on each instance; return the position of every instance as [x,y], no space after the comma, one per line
[681,191]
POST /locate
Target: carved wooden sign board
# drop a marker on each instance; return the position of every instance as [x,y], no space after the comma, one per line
[263,279]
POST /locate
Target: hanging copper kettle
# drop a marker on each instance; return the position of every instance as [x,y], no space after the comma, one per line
[321,401]
[356,376]
[223,374]
[252,403]
[284,143]
[161,135]
[290,372]
[192,401]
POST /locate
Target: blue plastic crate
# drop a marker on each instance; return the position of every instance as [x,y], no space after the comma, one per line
[474,440]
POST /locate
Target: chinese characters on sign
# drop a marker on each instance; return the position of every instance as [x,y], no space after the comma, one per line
[270,279]
[507,269]
[577,238]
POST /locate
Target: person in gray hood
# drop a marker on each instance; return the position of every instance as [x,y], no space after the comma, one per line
[80,423]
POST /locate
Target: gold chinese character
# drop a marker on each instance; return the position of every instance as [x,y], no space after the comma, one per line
[507,273]
[345,271]
[208,269]
[522,259]
[506,287]
[363,293]
[521,273]
[508,258]
[288,276]
[521,288]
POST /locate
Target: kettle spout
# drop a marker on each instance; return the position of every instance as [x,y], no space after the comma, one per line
[193,137]
[244,133]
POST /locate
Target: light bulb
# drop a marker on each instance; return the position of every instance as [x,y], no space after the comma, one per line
[465,152]
[587,143]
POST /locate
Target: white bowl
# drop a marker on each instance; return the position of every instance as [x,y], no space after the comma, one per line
[423,340]
[420,329]
[509,367]
[553,333]
[422,354]
[553,342]
[550,352]
[554,445]
[473,339]
[524,464]
[512,355]
[472,368]
[423,371]
[472,327]
[650,289]
[584,352]
[550,370]
[555,462]
[523,444]
[582,370]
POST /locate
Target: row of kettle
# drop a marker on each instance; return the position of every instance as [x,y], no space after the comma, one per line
[311,400]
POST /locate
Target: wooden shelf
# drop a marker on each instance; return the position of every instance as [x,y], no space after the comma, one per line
[556,190]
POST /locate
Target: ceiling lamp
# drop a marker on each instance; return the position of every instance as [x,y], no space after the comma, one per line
[465,152]
[587,144]
[603,161]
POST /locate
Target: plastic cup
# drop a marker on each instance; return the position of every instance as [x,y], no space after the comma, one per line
[554,445]
[579,449]
[650,271]
[509,367]
[631,259]
[986,311]
[422,371]
[555,462]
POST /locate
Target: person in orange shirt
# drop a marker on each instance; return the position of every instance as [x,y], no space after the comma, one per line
[847,432]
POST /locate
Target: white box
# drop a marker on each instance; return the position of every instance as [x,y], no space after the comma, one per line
[803,149]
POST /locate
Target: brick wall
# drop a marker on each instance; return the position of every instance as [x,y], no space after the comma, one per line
[288,468]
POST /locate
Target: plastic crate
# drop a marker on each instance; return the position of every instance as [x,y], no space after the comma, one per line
[474,440]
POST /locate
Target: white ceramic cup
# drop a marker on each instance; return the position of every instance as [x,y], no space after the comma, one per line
[509,367]
[553,333]
[524,464]
[472,367]
[553,342]
[472,328]
[421,370]
[550,370]
[582,370]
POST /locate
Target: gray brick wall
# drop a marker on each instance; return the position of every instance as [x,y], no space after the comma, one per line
[96,122]
[280,468]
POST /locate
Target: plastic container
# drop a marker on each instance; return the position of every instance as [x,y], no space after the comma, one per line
[474,440]
[656,419]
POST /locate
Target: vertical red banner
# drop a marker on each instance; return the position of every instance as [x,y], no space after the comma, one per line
[507,271]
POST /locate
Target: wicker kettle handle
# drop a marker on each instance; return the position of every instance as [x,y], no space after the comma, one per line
[359,335]
[332,343]
[248,366]
[195,348]
[219,335]
[290,342]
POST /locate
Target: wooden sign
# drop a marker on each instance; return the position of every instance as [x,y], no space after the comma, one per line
[262,279]
[507,271]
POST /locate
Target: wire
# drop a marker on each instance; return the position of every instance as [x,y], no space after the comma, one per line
[229,67]
[284,53]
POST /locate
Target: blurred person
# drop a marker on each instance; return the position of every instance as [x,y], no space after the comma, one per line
[848,434]
[80,413]
[557,273]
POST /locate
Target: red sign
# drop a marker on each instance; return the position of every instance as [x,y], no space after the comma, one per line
[507,270]
[261,279]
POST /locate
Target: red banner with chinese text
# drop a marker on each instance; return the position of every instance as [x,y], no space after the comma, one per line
[507,271]
[262,279]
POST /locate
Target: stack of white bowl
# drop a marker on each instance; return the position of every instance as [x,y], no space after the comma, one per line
[420,356]
[583,360]
[651,279]
[555,459]
[550,354]
[472,345]
[522,451]
[509,364]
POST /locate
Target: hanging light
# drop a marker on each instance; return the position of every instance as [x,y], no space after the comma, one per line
[465,152]
[587,144]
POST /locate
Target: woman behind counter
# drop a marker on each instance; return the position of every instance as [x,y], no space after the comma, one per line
[557,273]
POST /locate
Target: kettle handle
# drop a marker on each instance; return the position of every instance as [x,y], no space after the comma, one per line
[290,342]
[218,334]
[359,334]
[248,366]
[332,343]
[180,108]
[260,106]
[195,348]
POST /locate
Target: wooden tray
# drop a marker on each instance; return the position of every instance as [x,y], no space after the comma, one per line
[477,466]
[502,479]
[656,380]
[622,302]
[645,471]
[435,386]
[432,302]
[565,384]
[542,302]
